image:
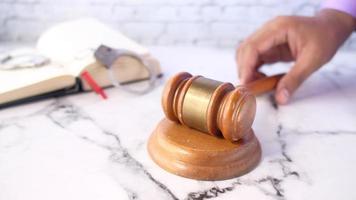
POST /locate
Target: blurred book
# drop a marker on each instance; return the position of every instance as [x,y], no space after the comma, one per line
[62,54]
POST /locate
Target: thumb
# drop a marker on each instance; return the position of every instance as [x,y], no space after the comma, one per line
[304,66]
[286,87]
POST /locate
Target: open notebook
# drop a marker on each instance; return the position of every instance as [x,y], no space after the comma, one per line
[70,47]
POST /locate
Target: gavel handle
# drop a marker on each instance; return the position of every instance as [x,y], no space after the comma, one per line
[264,85]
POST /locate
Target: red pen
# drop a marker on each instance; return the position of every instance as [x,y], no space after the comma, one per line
[93,84]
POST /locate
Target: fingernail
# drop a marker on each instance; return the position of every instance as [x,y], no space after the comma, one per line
[283,96]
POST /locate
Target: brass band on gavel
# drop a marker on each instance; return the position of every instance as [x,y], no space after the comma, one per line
[209,106]
[196,103]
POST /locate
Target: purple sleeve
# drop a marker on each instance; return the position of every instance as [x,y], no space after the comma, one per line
[346,6]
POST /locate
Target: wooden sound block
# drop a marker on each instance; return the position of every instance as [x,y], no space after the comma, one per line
[190,153]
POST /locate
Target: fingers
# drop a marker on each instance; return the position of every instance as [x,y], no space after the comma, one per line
[279,53]
[250,53]
[248,61]
[305,65]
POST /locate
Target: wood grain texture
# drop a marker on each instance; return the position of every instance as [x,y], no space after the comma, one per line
[210,106]
[263,85]
[194,106]
[190,153]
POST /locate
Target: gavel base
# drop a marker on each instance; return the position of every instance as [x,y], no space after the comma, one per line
[189,153]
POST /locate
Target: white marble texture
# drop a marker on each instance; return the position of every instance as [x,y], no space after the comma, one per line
[82,147]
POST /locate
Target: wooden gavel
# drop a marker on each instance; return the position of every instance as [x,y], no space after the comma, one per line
[214,107]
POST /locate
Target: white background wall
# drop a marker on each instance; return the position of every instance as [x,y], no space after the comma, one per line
[220,23]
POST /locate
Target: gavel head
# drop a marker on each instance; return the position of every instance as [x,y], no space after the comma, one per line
[209,106]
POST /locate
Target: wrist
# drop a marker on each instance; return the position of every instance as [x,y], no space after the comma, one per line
[338,24]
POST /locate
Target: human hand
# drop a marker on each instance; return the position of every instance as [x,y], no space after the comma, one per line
[309,41]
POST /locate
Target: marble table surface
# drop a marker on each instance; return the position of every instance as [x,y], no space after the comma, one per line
[82,147]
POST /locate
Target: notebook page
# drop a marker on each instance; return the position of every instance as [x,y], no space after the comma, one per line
[73,43]
[12,79]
